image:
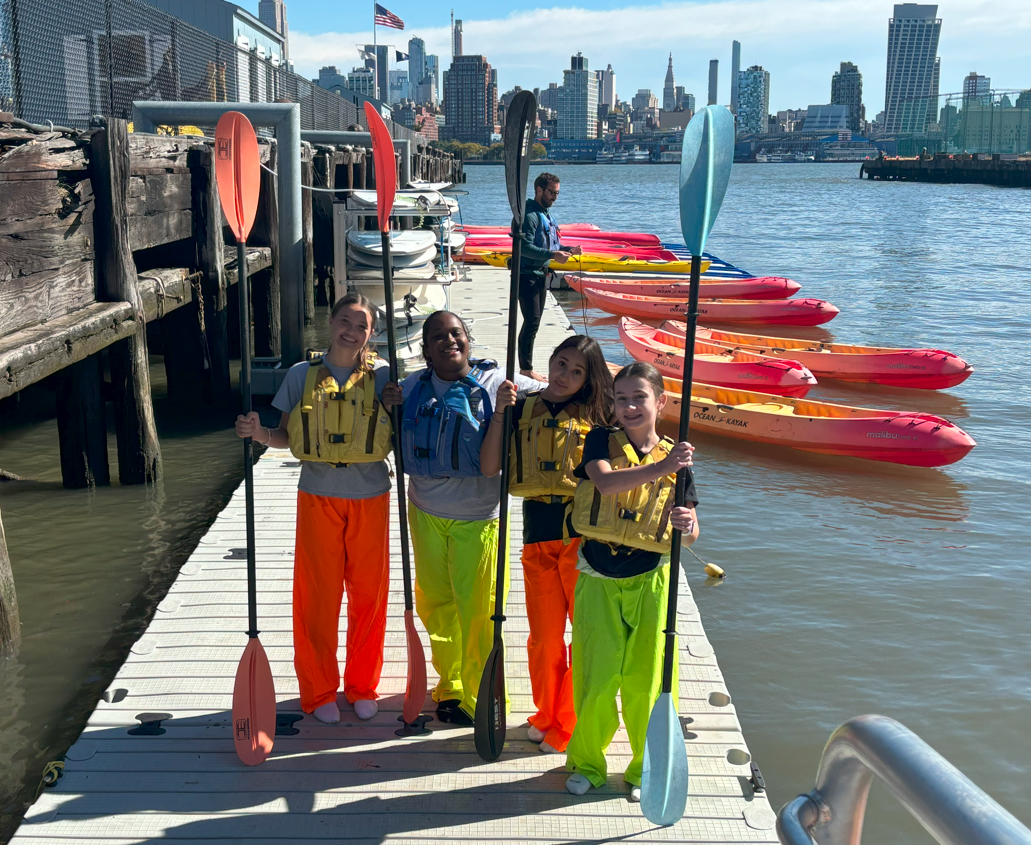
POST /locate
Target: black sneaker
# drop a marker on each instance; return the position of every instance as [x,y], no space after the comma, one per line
[450,711]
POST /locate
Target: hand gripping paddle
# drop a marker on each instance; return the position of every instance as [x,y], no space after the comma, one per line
[708,153]
[489,732]
[238,173]
[386,179]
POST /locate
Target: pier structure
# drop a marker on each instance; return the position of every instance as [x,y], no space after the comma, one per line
[156,760]
[1004,171]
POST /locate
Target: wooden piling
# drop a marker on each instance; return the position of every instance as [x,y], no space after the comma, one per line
[210,260]
[82,425]
[10,625]
[307,180]
[324,170]
[139,454]
[184,356]
[265,296]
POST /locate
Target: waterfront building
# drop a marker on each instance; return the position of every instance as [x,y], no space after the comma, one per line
[753,94]
[685,101]
[470,100]
[547,98]
[456,37]
[989,127]
[272,13]
[578,101]
[669,89]
[911,83]
[380,64]
[735,69]
[847,90]
[608,87]
[976,87]
[416,60]
[830,118]
[644,99]
[714,76]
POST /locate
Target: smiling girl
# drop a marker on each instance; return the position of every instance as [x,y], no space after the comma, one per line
[547,440]
[624,510]
[336,420]
[454,514]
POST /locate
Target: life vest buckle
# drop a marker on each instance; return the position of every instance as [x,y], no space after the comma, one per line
[549,423]
[423,453]
[548,466]
[337,438]
[429,411]
[633,516]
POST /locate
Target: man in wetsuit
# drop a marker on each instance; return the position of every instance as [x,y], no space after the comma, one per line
[541,244]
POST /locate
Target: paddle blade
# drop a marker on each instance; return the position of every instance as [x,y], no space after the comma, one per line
[415,691]
[489,730]
[520,125]
[664,778]
[254,705]
[706,158]
[386,165]
[237,171]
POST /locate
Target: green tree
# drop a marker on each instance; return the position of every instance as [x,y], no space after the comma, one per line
[538,151]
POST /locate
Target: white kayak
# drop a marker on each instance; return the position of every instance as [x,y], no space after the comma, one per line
[410,242]
[418,272]
[408,200]
[423,185]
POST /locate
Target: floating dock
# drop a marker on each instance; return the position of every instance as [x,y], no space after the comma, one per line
[156,760]
[1004,171]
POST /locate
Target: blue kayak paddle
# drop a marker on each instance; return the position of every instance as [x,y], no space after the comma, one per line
[708,153]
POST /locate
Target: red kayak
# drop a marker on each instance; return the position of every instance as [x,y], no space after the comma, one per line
[716,365]
[582,230]
[927,369]
[764,287]
[771,312]
[609,249]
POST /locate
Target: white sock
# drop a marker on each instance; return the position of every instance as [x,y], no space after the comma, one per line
[578,784]
[536,734]
[328,713]
[635,794]
[366,708]
[549,749]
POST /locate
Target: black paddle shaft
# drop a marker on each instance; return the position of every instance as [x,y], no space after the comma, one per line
[680,493]
[248,445]
[395,416]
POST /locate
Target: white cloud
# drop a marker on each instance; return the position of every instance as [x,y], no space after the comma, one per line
[800,43]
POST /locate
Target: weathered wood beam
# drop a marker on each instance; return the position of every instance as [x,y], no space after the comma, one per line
[82,426]
[162,228]
[139,454]
[258,258]
[32,354]
[42,296]
[265,298]
[307,179]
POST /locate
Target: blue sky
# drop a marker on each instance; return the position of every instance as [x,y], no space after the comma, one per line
[800,42]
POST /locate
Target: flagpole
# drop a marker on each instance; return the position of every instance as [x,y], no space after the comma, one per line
[375,56]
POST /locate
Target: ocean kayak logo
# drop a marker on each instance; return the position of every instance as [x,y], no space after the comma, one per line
[904,367]
[704,417]
[755,376]
[891,435]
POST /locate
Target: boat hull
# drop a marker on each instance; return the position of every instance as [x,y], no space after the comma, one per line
[766,287]
[769,312]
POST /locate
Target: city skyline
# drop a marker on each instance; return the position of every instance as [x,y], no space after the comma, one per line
[857,32]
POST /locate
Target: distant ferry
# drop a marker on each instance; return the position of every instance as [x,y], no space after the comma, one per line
[619,157]
[780,158]
[639,156]
[604,157]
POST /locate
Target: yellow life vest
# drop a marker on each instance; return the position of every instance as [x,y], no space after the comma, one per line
[337,424]
[638,518]
[545,451]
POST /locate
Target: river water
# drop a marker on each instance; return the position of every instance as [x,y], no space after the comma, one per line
[852,587]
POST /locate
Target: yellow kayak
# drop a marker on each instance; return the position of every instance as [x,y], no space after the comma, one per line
[602,264]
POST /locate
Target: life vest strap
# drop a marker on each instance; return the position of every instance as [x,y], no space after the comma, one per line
[549,466]
[633,516]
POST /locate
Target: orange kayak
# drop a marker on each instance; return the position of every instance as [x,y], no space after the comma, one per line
[926,369]
[763,287]
[772,312]
[716,365]
[897,437]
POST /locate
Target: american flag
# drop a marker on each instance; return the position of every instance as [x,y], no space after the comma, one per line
[388,18]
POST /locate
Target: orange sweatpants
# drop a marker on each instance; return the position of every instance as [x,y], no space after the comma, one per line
[340,543]
[550,572]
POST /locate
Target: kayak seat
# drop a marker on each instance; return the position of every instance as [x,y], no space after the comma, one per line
[766,407]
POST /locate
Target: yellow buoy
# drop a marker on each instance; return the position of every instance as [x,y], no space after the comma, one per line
[713,571]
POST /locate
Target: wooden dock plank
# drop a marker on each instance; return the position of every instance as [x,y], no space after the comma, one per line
[178,779]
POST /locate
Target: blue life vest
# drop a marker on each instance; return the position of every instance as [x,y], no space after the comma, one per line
[441,438]
[547,236]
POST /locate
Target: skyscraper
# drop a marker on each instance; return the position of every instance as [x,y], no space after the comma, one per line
[911,81]
[272,13]
[669,89]
[976,87]
[847,90]
[456,37]
[416,60]
[714,75]
[470,100]
[735,69]
[381,66]
[608,88]
[753,100]
[578,102]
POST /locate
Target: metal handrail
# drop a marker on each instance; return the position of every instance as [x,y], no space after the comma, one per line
[938,795]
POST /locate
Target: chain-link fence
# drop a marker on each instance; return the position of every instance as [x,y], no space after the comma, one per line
[987,122]
[65,61]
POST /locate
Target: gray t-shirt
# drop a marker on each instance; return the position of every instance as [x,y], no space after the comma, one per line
[471,498]
[357,481]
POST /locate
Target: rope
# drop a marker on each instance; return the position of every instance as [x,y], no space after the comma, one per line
[51,772]
[711,569]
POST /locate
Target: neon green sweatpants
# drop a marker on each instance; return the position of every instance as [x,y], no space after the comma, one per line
[617,647]
[455,573]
